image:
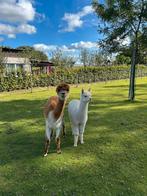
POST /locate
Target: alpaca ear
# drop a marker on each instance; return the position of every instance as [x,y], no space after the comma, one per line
[89,89]
[82,91]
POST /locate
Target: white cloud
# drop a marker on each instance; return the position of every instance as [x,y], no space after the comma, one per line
[65,48]
[6,29]
[15,16]
[82,45]
[11,31]
[124,42]
[48,49]
[86,10]
[75,20]
[26,28]
[45,48]
[16,11]
[70,49]
[12,36]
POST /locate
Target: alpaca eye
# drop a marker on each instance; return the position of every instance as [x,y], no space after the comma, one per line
[85,96]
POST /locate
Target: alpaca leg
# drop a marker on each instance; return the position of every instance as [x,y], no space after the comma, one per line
[81,138]
[58,143]
[58,130]
[51,136]
[47,141]
[82,128]
[63,129]
[75,140]
[47,144]
[76,135]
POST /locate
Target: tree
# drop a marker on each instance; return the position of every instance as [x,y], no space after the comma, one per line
[59,59]
[84,56]
[122,19]
[122,59]
[33,54]
[2,61]
[100,58]
[68,61]
[56,58]
[142,52]
[93,58]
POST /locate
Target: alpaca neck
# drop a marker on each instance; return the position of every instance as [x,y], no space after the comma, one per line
[83,108]
[59,108]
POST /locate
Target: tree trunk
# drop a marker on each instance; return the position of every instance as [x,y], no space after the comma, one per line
[132,75]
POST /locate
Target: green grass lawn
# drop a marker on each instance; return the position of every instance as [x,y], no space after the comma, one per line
[113,160]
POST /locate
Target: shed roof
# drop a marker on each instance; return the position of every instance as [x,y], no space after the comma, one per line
[11,52]
[44,64]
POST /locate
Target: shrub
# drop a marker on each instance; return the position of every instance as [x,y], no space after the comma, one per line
[74,75]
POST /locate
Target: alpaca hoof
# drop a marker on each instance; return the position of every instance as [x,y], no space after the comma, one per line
[45,155]
[58,151]
[75,145]
[82,142]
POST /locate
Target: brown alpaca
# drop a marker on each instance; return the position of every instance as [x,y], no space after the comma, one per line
[53,112]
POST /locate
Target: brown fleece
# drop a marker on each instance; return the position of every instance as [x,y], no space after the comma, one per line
[50,105]
[62,86]
[55,104]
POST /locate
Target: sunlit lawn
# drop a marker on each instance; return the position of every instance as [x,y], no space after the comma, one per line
[113,160]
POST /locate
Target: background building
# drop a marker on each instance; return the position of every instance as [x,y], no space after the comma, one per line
[17,60]
[14,60]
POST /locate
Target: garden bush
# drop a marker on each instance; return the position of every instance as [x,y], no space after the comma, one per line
[74,75]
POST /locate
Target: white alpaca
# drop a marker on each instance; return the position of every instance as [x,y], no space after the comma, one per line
[78,114]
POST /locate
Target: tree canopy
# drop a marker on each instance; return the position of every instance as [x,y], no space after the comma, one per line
[120,20]
[2,67]
[60,59]
[31,53]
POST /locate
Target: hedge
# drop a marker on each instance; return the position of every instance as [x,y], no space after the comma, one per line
[68,75]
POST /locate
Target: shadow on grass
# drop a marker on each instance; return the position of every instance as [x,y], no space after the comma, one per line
[103,104]
[134,116]
[21,109]
[20,144]
[124,86]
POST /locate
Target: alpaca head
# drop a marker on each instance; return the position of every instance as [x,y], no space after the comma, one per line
[86,95]
[62,91]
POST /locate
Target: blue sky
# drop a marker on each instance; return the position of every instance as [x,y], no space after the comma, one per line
[48,24]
